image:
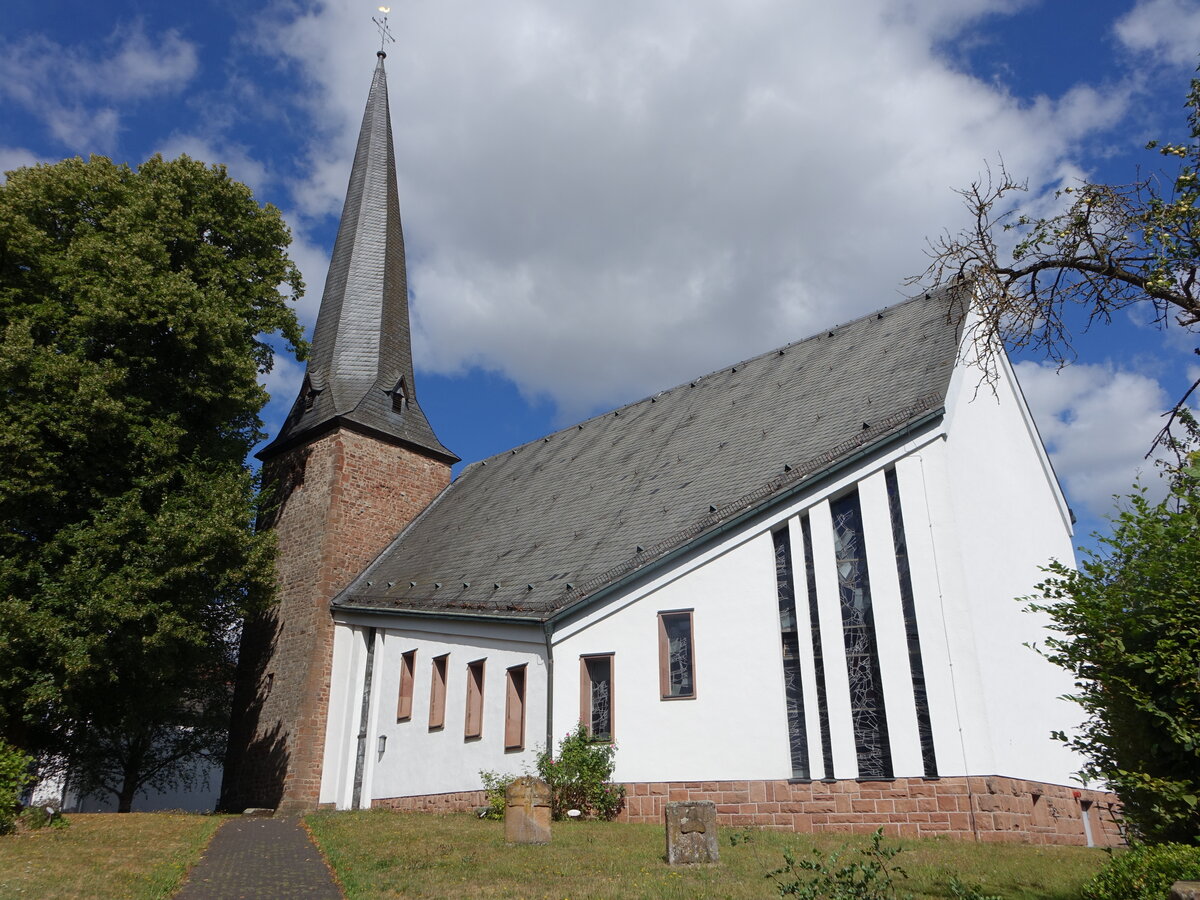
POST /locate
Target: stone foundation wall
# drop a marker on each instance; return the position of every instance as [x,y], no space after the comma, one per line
[462,801]
[984,808]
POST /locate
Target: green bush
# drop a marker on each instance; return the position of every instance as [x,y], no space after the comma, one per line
[16,772]
[34,818]
[967,890]
[1126,625]
[1144,872]
[579,777]
[495,786]
[866,876]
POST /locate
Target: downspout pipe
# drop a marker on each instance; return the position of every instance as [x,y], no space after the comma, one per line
[548,634]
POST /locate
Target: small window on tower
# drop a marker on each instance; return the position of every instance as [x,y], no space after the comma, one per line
[399,396]
[309,393]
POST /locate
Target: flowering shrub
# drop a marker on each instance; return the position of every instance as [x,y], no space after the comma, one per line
[579,775]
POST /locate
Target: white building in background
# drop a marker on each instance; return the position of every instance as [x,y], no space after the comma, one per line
[787,586]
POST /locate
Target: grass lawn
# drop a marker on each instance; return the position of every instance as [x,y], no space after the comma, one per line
[104,855]
[389,854]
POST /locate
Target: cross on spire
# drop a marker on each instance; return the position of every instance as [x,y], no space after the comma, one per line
[381,22]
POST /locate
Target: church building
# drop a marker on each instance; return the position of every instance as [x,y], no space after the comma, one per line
[786,586]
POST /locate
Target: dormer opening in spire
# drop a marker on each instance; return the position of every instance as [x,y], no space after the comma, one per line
[308,393]
[399,395]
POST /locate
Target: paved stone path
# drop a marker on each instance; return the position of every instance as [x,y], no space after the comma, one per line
[260,858]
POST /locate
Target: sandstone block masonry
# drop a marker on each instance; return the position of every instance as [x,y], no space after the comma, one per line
[975,808]
[338,501]
[990,808]
[527,811]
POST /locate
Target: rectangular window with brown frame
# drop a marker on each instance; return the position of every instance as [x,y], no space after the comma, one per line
[596,695]
[676,655]
[514,709]
[474,719]
[408,662]
[437,692]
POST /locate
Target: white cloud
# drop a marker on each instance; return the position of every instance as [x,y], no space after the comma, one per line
[237,161]
[598,203]
[16,158]
[283,384]
[1170,29]
[313,263]
[79,93]
[1098,423]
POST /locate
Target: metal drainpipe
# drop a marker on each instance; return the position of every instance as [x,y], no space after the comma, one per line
[360,760]
[547,633]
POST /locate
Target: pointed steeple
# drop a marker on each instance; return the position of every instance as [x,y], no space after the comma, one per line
[360,372]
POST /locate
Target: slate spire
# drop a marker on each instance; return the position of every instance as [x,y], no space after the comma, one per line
[360,371]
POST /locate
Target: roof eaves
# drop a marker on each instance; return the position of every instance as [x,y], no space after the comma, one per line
[300,436]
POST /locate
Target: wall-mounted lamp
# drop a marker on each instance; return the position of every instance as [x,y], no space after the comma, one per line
[382,744]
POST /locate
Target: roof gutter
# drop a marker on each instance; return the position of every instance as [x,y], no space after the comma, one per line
[741,518]
[436,614]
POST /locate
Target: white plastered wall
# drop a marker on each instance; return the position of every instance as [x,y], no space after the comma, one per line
[735,728]
[417,759]
[997,500]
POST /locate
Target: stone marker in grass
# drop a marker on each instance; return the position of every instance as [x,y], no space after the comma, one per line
[527,811]
[691,832]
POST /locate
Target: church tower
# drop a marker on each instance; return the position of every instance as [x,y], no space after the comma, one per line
[355,461]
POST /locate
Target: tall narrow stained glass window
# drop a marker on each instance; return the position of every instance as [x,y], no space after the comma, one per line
[858,628]
[595,696]
[814,621]
[792,684]
[908,605]
[676,660]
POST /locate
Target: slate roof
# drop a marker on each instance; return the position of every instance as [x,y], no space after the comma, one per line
[533,531]
[361,346]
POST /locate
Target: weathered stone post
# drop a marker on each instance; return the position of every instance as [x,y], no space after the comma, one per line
[527,811]
[691,832]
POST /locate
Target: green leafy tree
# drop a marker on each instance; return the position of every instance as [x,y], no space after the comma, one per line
[135,306]
[1129,626]
[1111,247]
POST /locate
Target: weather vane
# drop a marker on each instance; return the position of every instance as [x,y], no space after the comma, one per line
[381,23]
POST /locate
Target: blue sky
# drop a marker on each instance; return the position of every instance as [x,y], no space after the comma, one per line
[603,199]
